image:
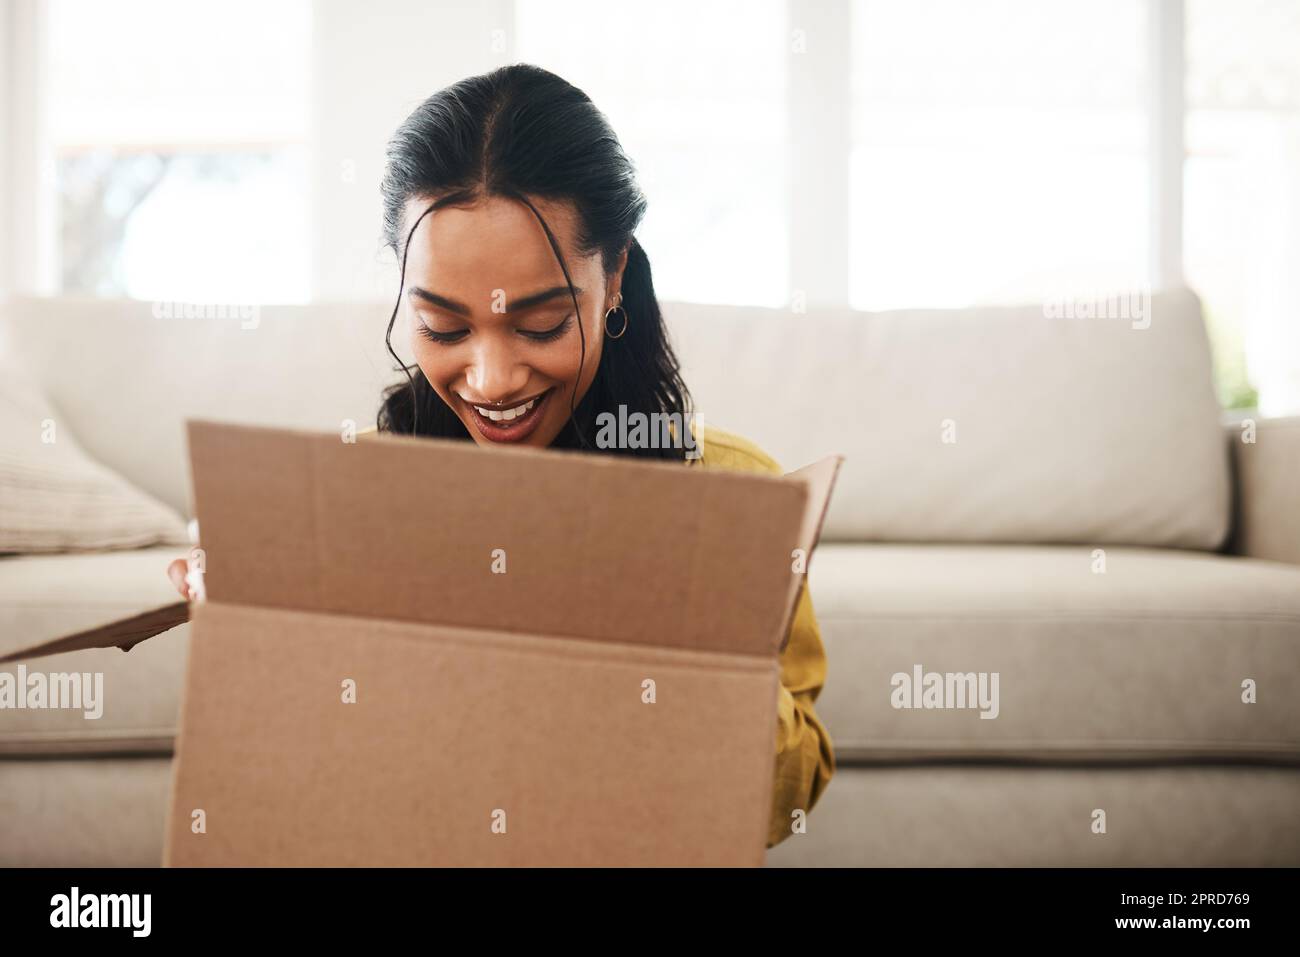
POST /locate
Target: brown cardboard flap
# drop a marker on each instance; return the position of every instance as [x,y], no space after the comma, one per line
[819,478]
[125,633]
[415,530]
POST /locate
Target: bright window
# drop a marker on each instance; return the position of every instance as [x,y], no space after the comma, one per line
[177,133]
[697,98]
[1241,217]
[998,150]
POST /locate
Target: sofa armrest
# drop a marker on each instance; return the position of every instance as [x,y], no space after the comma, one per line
[1267,487]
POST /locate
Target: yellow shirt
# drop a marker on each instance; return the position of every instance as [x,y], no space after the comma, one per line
[805,757]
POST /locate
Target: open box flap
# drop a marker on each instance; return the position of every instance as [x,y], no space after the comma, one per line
[820,481]
[290,520]
[605,547]
[124,633]
[819,478]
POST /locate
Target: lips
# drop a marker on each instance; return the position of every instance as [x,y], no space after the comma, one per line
[508,424]
[497,416]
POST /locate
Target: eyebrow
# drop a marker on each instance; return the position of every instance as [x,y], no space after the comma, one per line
[460,309]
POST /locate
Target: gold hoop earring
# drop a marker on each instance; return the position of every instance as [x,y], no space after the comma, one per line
[610,312]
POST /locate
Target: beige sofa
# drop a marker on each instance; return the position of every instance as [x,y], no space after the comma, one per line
[1055,501]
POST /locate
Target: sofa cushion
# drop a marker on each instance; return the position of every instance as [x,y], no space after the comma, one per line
[1145,660]
[54,497]
[46,596]
[78,813]
[998,816]
[991,424]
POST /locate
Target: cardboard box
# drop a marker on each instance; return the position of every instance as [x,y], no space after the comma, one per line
[421,652]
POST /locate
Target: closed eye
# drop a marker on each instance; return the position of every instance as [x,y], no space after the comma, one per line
[543,335]
[445,338]
[549,334]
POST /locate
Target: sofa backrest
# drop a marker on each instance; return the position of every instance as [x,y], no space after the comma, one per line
[987,424]
[125,380]
[996,424]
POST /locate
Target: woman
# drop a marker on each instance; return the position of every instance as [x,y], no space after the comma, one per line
[511,207]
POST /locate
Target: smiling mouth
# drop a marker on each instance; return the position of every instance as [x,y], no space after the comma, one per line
[512,424]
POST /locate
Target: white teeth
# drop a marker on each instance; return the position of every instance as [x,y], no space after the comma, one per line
[497,415]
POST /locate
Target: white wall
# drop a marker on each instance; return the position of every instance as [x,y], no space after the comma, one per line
[6,145]
[27,227]
[1273,270]
[819,125]
[372,64]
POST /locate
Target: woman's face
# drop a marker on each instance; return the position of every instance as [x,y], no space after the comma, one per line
[492,323]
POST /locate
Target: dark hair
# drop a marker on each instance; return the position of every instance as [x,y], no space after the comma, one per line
[519,132]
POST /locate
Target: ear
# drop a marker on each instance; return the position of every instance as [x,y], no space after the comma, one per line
[616,277]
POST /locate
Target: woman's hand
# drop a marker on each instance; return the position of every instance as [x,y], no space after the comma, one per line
[186,574]
[179,573]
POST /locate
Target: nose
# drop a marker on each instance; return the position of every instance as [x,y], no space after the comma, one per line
[496,373]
